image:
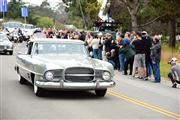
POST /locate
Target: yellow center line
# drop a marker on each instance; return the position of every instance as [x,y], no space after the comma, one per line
[145,105]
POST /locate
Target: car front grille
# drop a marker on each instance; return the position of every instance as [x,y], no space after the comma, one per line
[79,74]
[1,47]
[98,74]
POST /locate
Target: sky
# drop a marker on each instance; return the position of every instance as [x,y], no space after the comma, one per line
[38,2]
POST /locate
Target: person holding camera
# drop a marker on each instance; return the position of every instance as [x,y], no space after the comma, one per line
[174,75]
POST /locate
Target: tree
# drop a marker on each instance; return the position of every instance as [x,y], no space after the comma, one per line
[133,7]
[171,10]
[85,11]
[13,11]
[45,4]
[45,22]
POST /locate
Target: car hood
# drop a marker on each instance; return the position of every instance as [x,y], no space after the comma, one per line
[64,61]
[5,43]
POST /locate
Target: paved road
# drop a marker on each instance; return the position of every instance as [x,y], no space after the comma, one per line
[130,99]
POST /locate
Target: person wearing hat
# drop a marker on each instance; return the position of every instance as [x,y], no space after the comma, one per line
[148,44]
[174,75]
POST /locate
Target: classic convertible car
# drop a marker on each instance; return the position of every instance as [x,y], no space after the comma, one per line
[63,65]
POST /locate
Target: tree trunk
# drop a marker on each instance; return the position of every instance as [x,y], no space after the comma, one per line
[134,22]
[172,39]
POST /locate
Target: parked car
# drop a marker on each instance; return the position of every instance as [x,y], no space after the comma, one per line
[63,65]
[6,46]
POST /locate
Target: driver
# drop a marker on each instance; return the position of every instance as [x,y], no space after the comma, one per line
[174,75]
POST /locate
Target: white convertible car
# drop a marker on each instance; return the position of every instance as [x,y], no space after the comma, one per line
[63,64]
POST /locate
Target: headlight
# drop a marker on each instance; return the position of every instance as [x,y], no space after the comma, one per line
[106,76]
[9,46]
[49,75]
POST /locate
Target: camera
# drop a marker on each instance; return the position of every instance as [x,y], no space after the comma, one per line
[169,62]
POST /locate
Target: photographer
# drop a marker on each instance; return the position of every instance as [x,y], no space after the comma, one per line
[174,75]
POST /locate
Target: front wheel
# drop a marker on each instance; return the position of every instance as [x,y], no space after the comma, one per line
[22,80]
[10,52]
[38,91]
[101,93]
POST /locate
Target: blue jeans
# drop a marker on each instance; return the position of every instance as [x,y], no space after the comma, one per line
[95,53]
[100,54]
[149,69]
[122,62]
[112,62]
[157,75]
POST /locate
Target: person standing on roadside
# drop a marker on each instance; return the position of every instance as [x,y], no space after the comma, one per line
[100,46]
[139,59]
[148,44]
[129,53]
[88,39]
[119,42]
[95,47]
[156,58]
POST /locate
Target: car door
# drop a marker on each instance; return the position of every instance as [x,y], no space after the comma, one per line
[26,65]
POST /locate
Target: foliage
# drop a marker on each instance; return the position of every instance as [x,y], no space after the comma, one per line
[59,26]
[13,11]
[165,68]
[42,16]
[45,22]
[166,54]
[90,10]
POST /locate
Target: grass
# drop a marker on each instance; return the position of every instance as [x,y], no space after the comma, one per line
[166,54]
[165,68]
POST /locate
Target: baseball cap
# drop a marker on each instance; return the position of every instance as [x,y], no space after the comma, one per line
[144,33]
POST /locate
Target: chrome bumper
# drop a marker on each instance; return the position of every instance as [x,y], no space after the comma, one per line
[6,50]
[78,86]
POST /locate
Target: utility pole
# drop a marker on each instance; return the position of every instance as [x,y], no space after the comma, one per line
[82,15]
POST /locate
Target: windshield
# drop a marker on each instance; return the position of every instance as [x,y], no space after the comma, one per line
[3,37]
[28,26]
[13,25]
[60,48]
[39,35]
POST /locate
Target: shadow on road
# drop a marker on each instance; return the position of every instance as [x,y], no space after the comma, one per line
[5,54]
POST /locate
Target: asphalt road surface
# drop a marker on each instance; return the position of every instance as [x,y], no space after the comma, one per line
[131,98]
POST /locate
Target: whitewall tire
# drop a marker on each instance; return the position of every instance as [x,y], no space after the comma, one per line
[37,91]
[21,79]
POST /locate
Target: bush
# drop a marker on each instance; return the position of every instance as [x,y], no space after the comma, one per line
[45,22]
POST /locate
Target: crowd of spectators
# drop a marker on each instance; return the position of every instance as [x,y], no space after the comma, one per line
[134,52]
[63,34]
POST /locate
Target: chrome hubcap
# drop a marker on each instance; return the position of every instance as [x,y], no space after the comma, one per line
[19,77]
